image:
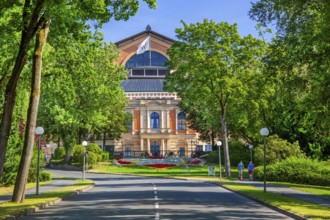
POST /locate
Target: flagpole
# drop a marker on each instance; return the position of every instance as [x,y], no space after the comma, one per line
[149,49]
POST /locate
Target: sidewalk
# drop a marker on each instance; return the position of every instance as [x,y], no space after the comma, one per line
[55,184]
[289,192]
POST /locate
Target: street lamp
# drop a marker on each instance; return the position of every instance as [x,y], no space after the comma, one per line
[39,132]
[219,143]
[84,143]
[251,147]
[264,132]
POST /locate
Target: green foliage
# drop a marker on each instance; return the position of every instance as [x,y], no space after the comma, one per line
[105,156]
[93,158]
[59,153]
[45,176]
[213,157]
[78,155]
[95,154]
[96,149]
[299,170]
[298,66]
[34,165]
[217,73]
[12,161]
[277,150]
[238,152]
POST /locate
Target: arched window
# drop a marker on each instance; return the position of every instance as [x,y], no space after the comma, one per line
[154,120]
[146,59]
[182,122]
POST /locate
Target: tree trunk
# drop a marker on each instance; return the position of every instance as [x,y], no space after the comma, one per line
[23,171]
[225,141]
[104,139]
[28,33]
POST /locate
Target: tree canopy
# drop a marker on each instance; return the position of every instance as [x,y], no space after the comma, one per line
[298,64]
[217,71]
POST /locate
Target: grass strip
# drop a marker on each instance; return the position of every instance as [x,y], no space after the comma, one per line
[316,190]
[302,208]
[9,189]
[8,209]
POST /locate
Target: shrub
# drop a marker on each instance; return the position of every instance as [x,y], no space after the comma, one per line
[45,176]
[299,170]
[96,149]
[105,156]
[238,152]
[59,153]
[213,157]
[34,165]
[92,159]
[277,150]
[78,154]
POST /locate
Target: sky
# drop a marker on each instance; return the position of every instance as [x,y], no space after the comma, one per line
[169,13]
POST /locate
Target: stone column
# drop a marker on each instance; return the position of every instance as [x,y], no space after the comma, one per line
[162,120]
[163,147]
[167,119]
[141,144]
[176,121]
[148,145]
[148,120]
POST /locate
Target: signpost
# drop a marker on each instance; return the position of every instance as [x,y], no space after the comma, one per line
[211,171]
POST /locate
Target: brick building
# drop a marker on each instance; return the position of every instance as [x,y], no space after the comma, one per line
[158,125]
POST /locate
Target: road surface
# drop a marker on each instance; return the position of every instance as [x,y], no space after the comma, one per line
[134,197]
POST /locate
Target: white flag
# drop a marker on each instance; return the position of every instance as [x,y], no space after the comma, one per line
[144,46]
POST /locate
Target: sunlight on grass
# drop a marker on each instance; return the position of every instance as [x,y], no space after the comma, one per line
[9,208]
[10,189]
[299,207]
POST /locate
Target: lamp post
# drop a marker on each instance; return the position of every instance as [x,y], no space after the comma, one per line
[264,132]
[251,147]
[84,143]
[39,132]
[219,143]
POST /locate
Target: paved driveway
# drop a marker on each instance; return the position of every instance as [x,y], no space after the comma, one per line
[132,197]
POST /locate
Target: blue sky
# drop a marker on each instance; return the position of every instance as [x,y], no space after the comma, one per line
[168,14]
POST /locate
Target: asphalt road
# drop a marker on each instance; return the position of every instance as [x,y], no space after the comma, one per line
[132,197]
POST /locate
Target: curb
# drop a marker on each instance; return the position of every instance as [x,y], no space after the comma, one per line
[45,205]
[275,208]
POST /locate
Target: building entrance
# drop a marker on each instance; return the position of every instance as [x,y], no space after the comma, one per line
[155,149]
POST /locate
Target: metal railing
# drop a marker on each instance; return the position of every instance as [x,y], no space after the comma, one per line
[157,154]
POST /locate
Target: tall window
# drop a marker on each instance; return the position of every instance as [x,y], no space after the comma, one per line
[154,120]
[129,121]
[155,149]
[182,121]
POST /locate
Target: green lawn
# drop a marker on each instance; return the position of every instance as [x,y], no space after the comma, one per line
[10,189]
[299,207]
[9,208]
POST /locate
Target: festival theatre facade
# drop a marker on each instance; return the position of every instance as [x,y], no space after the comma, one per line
[158,125]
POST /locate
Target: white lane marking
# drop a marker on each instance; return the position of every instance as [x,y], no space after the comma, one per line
[157,215]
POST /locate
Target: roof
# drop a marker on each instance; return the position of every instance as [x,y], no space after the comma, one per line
[147,31]
[142,85]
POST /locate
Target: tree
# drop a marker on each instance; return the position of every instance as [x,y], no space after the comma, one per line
[298,64]
[214,67]
[19,190]
[81,89]
[33,15]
